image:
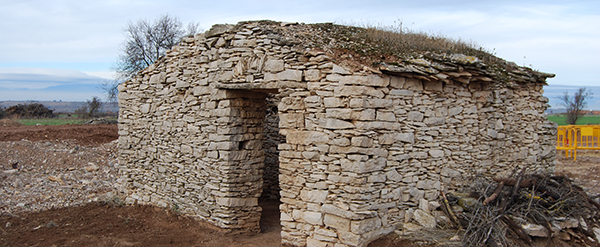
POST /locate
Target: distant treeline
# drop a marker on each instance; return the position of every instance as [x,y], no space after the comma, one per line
[61,106]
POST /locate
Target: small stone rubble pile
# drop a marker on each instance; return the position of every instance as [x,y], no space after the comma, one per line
[54,174]
[102,121]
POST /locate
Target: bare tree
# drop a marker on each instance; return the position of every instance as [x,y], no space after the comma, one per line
[93,106]
[575,104]
[145,43]
[110,88]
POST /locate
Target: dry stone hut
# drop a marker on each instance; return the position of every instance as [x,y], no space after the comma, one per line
[346,135]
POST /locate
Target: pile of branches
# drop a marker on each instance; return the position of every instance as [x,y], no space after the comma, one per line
[33,110]
[525,211]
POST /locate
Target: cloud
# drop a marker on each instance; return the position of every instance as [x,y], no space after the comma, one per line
[47,84]
[40,78]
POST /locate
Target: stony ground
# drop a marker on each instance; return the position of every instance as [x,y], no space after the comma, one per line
[58,183]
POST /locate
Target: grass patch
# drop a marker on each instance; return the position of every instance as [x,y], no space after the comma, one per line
[398,39]
[587,119]
[50,121]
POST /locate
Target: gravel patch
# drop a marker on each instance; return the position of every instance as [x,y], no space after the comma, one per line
[55,174]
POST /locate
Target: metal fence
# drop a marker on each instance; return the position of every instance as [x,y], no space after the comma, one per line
[573,137]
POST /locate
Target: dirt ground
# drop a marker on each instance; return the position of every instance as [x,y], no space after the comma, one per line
[110,223]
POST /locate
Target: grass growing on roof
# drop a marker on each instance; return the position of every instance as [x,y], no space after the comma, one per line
[377,39]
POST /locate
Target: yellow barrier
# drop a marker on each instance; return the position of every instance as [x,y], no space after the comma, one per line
[573,137]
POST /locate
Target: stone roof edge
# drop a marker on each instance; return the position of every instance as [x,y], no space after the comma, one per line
[429,66]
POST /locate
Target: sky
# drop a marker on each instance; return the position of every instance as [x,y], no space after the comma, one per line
[63,49]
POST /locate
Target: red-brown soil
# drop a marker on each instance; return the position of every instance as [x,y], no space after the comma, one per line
[83,134]
[109,223]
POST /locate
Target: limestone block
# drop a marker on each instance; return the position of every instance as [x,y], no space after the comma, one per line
[424,205]
[220,146]
[343,142]
[332,102]
[312,75]
[346,91]
[338,113]
[291,120]
[365,114]
[378,103]
[308,217]
[290,103]
[326,232]
[483,96]
[436,153]
[158,78]
[470,110]
[306,137]
[201,90]
[362,141]
[363,167]
[236,202]
[366,225]
[393,175]
[499,125]
[492,133]
[311,155]
[290,75]
[350,238]
[455,110]
[226,76]
[332,209]
[424,219]
[339,70]
[332,123]
[415,116]
[418,155]
[181,84]
[396,138]
[397,82]
[377,178]
[377,125]
[435,86]
[413,84]
[187,149]
[401,92]
[286,217]
[317,196]
[386,116]
[449,172]
[339,223]
[434,121]
[313,242]
[145,108]
[370,80]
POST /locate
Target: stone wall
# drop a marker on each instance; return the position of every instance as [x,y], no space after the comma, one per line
[358,149]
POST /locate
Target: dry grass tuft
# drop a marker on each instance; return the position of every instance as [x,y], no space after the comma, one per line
[397,40]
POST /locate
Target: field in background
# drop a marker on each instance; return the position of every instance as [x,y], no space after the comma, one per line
[51,121]
[587,119]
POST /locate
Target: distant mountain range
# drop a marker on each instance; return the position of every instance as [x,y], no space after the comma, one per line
[60,106]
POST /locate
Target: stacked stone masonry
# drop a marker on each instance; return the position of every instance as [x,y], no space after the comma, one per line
[354,150]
